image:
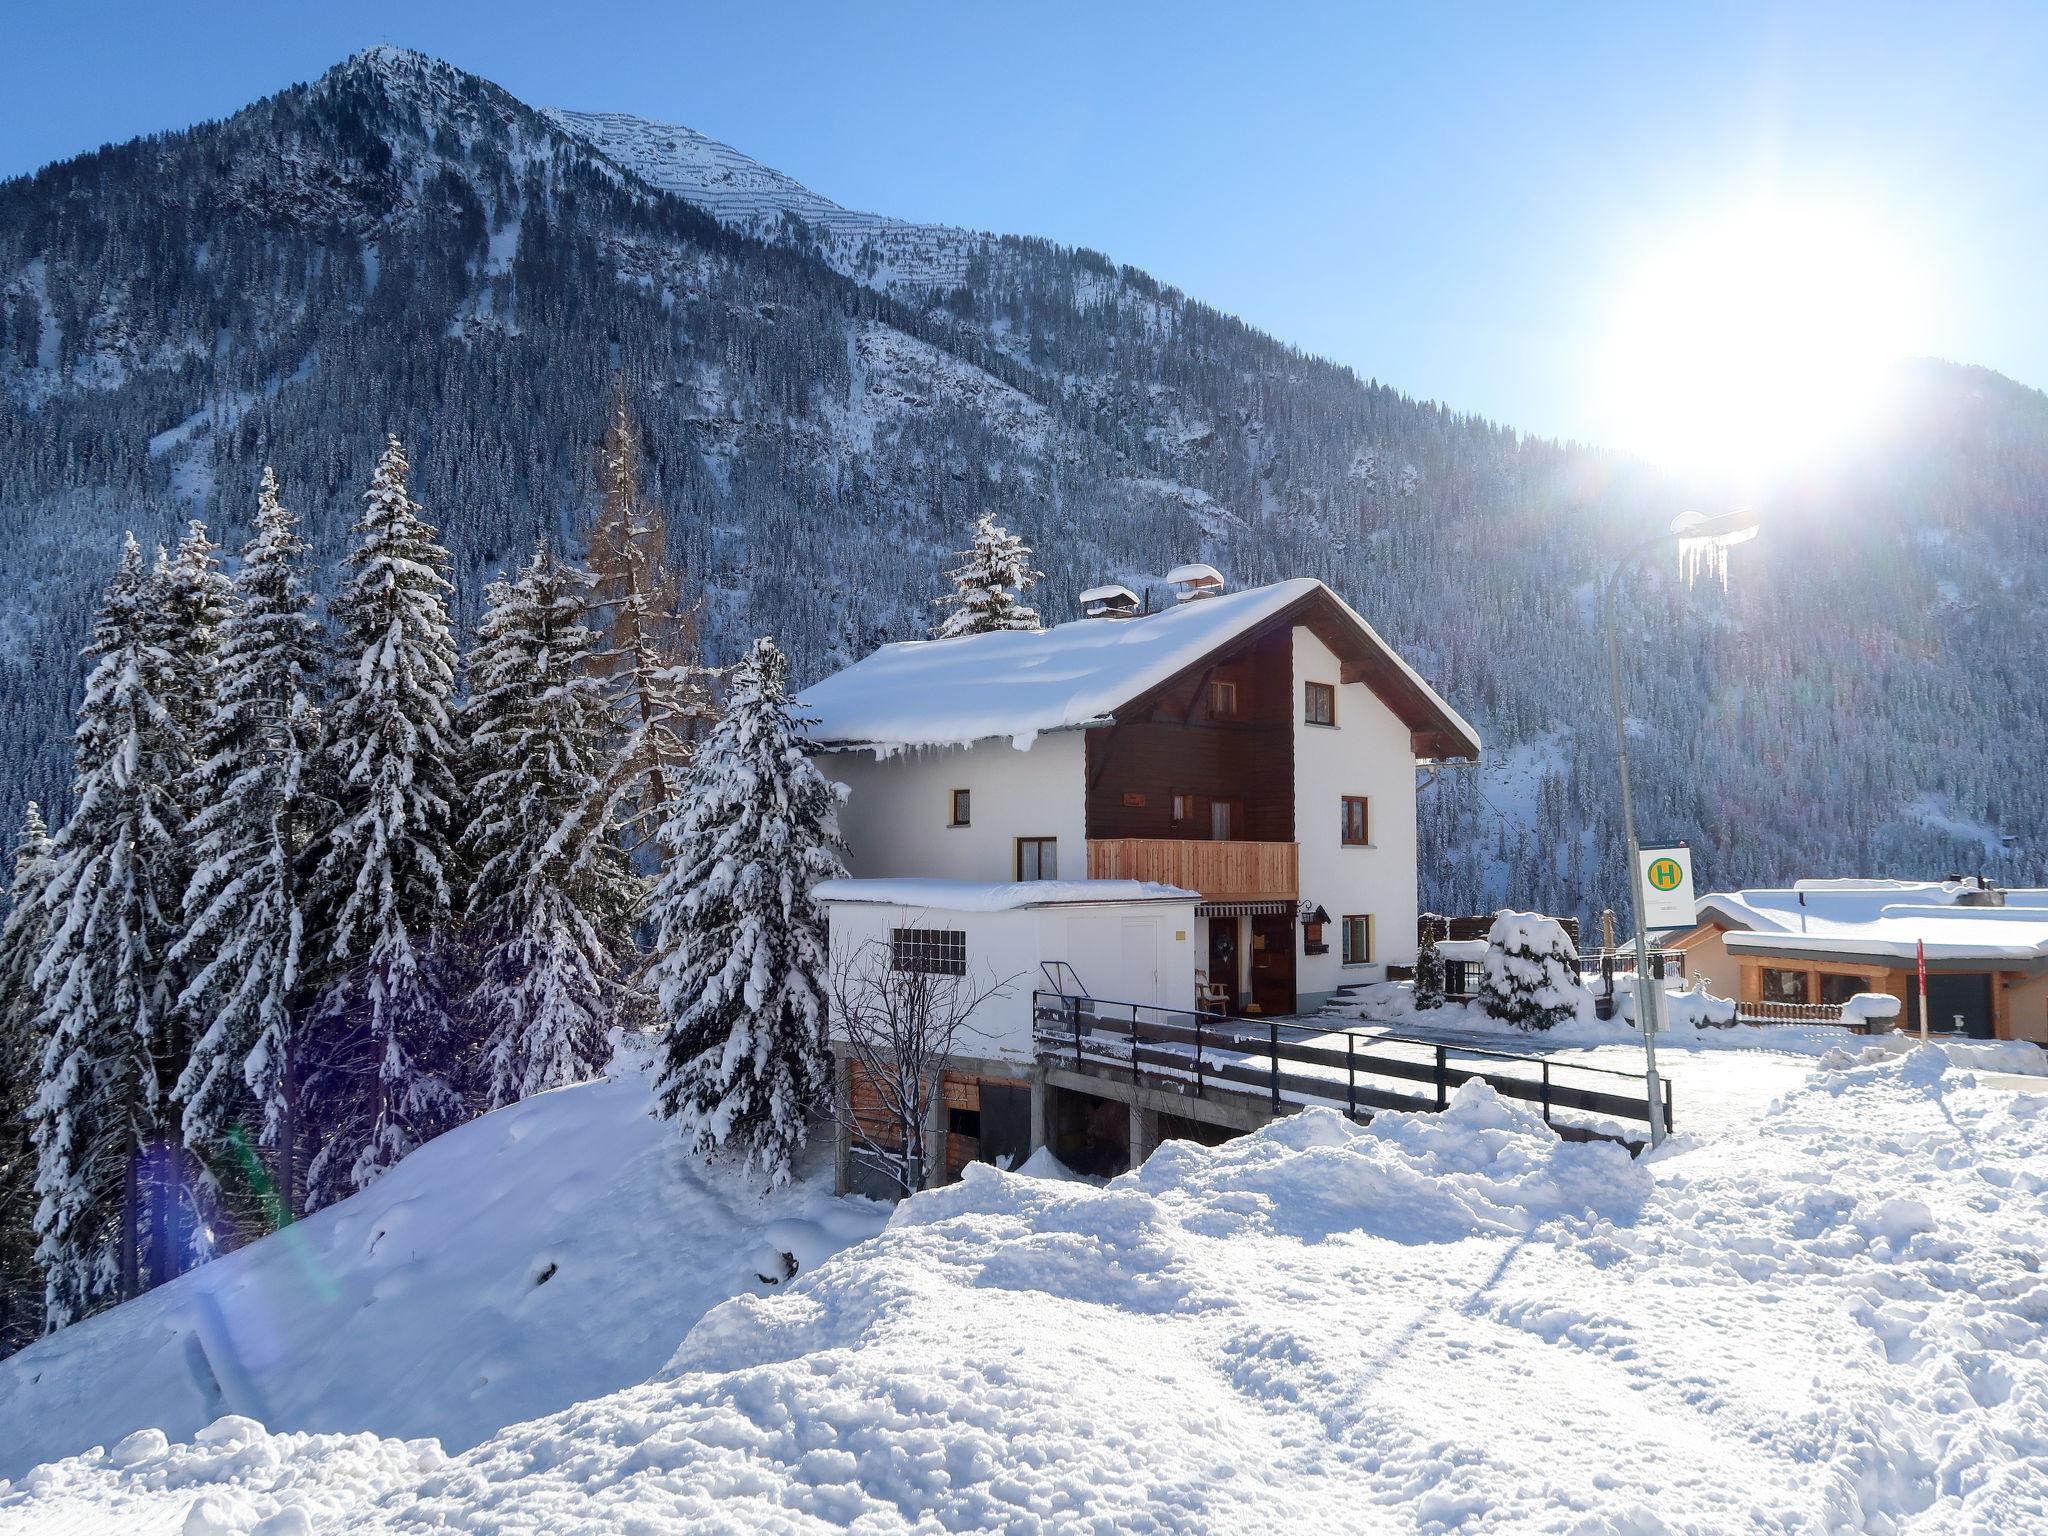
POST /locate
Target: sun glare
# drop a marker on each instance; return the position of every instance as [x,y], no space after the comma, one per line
[1754,344]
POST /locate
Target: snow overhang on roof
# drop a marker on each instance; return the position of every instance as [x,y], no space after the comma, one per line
[1884,922]
[1009,896]
[1018,684]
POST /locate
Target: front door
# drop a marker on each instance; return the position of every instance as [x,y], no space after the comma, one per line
[1141,959]
[1273,963]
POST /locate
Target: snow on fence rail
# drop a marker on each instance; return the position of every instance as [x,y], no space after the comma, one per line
[1292,1065]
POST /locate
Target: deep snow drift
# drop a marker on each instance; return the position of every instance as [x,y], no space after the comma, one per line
[1832,1320]
[540,1255]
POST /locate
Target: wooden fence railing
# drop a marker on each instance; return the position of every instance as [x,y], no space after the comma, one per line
[1297,1064]
[1221,871]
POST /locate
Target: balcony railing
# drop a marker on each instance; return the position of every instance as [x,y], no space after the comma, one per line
[1221,871]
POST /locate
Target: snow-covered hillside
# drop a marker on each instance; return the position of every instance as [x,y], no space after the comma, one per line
[1831,1320]
[740,191]
[543,1254]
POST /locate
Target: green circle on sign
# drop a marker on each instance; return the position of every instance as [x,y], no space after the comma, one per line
[1666,875]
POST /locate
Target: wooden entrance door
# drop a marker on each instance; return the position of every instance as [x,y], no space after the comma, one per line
[1273,963]
[1223,957]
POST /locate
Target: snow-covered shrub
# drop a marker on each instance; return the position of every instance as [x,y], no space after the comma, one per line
[1685,1008]
[1530,977]
[1429,965]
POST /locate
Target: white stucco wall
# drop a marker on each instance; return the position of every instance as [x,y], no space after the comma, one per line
[1131,952]
[895,819]
[1366,753]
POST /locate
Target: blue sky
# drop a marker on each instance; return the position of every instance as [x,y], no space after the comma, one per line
[1446,197]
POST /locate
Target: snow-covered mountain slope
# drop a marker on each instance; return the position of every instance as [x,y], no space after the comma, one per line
[1829,1321]
[550,1252]
[740,191]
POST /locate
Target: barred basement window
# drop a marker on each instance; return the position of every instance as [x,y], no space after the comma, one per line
[928,951]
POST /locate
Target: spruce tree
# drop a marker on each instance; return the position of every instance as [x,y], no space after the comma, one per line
[659,688]
[245,928]
[1530,977]
[386,1068]
[117,870]
[1429,966]
[739,963]
[552,901]
[989,584]
[21,1048]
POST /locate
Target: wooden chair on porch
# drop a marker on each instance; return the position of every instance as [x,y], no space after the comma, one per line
[1211,996]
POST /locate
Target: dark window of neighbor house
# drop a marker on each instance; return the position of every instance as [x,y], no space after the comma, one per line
[1784,986]
[1319,703]
[1839,989]
[928,951]
[1358,940]
[962,805]
[1357,824]
[1038,858]
[964,1122]
[1222,697]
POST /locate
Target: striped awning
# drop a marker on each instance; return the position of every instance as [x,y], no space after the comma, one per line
[1243,908]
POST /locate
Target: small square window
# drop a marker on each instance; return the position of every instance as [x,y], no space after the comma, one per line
[1358,940]
[1038,858]
[1183,807]
[962,805]
[1319,703]
[1357,823]
[1222,697]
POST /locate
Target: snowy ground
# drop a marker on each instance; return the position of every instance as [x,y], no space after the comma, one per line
[1828,1320]
[544,1254]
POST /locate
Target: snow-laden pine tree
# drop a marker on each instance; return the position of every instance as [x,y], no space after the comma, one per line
[1429,965]
[552,899]
[21,1048]
[194,594]
[989,583]
[386,1067]
[244,944]
[740,958]
[659,687]
[1530,977]
[117,870]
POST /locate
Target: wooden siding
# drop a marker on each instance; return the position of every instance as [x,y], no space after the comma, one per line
[1173,745]
[1234,871]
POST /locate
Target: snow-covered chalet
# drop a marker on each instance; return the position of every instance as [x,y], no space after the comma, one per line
[1211,805]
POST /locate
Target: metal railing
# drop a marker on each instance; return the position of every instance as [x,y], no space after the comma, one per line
[1351,1070]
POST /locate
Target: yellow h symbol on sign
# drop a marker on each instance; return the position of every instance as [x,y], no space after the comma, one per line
[1665,874]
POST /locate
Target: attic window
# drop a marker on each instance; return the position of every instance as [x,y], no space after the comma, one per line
[1222,698]
[1319,703]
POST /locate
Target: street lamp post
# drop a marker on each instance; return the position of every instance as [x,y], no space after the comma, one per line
[1729,528]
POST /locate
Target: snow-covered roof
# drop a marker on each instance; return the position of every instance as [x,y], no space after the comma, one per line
[1020,683]
[1114,591]
[1187,575]
[1883,920]
[1007,896]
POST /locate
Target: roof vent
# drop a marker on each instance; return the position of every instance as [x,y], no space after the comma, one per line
[1192,581]
[1111,601]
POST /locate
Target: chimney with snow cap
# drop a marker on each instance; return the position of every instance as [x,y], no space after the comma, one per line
[1192,581]
[1113,600]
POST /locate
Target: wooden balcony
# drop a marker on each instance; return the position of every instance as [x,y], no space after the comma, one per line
[1220,871]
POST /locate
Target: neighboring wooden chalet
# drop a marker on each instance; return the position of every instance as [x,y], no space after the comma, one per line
[1815,945]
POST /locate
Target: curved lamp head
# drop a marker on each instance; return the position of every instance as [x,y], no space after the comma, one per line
[1723,529]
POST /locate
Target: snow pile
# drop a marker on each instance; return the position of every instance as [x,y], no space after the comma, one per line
[1687,1009]
[2018,1058]
[545,1253]
[1871,1007]
[1831,1319]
